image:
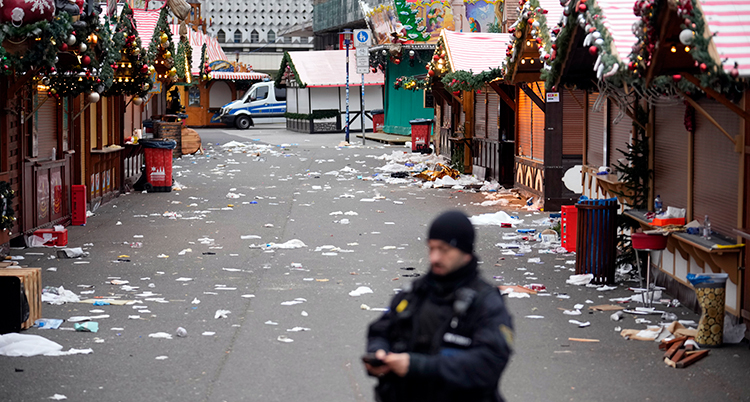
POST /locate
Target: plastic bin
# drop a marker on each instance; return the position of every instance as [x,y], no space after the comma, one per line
[710,290]
[158,164]
[569,216]
[420,135]
[596,239]
[378,120]
[171,131]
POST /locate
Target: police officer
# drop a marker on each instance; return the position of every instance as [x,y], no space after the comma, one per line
[448,336]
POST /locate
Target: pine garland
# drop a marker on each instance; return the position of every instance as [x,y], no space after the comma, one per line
[712,74]
[287,71]
[7,213]
[588,16]
[130,60]
[42,39]
[468,81]
[531,10]
[182,60]
[205,70]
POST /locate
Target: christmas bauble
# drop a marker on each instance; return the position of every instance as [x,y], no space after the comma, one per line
[21,12]
[676,78]
[137,100]
[164,38]
[167,54]
[72,40]
[85,60]
[593,50]
[703,67]
[582,7]
[83,47]
[94,97]
[734,72]
[686,37]
[151,69]
[172,71]
[64,47]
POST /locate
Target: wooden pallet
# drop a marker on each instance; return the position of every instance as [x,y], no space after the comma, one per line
[31,278]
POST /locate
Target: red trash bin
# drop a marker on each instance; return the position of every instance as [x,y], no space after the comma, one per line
[420,135]
[158,164]
[378,120]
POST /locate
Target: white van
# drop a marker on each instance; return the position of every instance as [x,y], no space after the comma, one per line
[263,99]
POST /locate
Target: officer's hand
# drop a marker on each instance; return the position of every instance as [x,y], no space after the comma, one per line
[398,363]
[381,370]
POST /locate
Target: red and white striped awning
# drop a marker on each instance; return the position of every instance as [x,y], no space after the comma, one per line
[729,20]
[145,23]
[475,51]
[619,18]
[225,75]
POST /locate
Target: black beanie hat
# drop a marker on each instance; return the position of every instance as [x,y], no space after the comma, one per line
[454,228]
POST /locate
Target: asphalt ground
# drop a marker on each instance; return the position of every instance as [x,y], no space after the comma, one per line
[244,360]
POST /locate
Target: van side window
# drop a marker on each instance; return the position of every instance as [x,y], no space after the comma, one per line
[261,93]
[280,94]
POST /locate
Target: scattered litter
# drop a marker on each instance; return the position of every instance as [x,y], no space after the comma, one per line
[160,335]
[58,296]
[75,252]
[304,314]
[58,397]
[184,279]
[248,296]
[579,323]
[580,280]
[195,301]
[221,314]
[497,218]
[185,251]
[298,300]
[616,316]
[269,322]
[208,333]
[162,357]
[181,332]
[248,237]
[535,317]
[360,291]
[285,339]
[583,340]
[606,307]
[89,326]
[48,323]
[648,334]
[297,329]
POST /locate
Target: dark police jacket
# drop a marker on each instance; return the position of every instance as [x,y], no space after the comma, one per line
[458,335]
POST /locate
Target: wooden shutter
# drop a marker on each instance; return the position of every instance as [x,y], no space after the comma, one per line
[480,115]
[716,168]
[524,106]
[595,146]
[493,113]
[539,123]
[671,156]
[573,124]
[620,135]
[45,124]
[447,113]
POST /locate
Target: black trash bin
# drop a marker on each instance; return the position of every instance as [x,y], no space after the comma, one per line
[158,174]
[596,240]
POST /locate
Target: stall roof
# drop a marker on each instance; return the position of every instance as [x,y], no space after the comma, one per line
[730,22]
[326,68]
[226,75]
[619,19]
[475,51]
[146,21]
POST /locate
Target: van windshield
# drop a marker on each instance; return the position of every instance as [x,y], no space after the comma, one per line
[259,92]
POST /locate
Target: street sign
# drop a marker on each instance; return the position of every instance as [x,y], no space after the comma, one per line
[362,37]
[363,52]
[363,61]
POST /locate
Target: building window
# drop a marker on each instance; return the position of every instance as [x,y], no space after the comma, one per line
[271,36]
[237,36]
[287,39]
[221,36]
[254,36]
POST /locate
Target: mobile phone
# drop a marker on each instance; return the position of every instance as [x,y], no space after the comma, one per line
[372,360]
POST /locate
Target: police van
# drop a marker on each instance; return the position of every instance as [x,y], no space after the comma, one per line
[263,99]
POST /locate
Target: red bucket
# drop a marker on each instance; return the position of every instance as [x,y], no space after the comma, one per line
[642,241]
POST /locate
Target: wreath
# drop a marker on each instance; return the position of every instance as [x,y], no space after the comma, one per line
[7,219]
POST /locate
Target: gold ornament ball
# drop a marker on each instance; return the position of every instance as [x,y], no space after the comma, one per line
[167,54]
[151,69]
[137,100]
[164,38]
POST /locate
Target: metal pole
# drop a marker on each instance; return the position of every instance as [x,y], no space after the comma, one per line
[362,108]
[347,89]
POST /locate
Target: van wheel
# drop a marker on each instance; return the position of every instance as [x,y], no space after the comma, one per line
[243,122]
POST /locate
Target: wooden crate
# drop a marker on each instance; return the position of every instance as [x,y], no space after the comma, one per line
[32,283]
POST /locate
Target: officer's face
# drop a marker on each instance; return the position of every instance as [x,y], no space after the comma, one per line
[445,258]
